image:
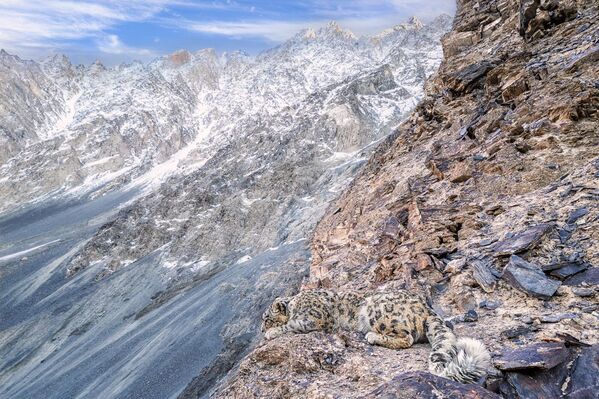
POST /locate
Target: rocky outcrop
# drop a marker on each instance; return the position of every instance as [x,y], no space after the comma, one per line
[475,200]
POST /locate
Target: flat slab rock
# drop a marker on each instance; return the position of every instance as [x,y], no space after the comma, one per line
[584,379]
[589,276]
[522,241]
[542,356]
[420,385]
[529,278]
[575,378]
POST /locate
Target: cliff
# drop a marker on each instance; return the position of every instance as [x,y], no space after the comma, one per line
[485,199]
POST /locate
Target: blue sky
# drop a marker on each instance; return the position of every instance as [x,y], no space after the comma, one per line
[120,31]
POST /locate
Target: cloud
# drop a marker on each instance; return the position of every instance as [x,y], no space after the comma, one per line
[268,29]
[363,17]
[32,28]
[112,44]
[32,25]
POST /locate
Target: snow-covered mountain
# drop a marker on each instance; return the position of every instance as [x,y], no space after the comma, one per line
[65,126]
[151,211]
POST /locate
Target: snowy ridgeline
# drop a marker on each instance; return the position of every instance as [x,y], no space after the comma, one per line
[74,127]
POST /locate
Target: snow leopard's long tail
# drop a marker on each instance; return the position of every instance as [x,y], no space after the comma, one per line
[460,359]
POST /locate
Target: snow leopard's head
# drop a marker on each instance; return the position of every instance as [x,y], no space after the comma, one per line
[277,314]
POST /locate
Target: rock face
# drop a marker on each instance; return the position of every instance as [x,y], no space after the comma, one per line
[496,161]
[185,193]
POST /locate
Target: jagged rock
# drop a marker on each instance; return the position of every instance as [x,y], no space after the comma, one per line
[529,278]
[527,11]
[583,292]
[455,42]
[589,276]
[556,318]
[590,55]
[467,78]
[513,87]
[577,214]
[461,172]
[536,385]
[522,241]
[575,377]
[483,274]
[584,379]
[567,269]
[421,384]
[516,332]
[536,356]
[489,305]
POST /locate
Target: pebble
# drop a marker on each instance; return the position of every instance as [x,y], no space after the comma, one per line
[471,316]
[489,305]
[583,292]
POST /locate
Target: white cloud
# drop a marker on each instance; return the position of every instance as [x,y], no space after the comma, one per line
[363,17]
[29,26]
[271,30]
[111,44]
[32,28]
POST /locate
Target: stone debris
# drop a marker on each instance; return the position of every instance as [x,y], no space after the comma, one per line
[420,384]
[522,241]
[537,356]
[588,277]
[529,278]
[483,274]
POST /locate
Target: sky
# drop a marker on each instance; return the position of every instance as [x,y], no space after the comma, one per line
[116,31]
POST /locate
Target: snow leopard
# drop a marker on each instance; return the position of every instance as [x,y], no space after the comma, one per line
[394,320]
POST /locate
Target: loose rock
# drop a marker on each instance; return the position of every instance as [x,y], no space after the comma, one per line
[420,384]
[522,241]
[529,278]
[537,356]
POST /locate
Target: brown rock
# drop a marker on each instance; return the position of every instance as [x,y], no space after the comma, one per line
[455,42]
[461,172]
[513,87]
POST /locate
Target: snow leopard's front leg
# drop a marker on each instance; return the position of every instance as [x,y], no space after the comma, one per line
[296,326]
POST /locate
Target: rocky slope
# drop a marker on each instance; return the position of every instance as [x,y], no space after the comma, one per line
[485,199]
[169,203]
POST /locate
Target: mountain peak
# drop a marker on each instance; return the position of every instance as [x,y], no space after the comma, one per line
[333,28]
[309,33]
[97,66]
[416,22]
[180,57]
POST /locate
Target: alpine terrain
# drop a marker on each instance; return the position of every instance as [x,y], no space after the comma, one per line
[150,212]
[486,201]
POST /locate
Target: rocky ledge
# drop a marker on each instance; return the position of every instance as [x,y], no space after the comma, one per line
[485,199]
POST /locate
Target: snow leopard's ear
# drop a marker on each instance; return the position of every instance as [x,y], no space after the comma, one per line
[281,304]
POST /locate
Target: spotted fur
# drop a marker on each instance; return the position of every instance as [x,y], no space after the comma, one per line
[394,320]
